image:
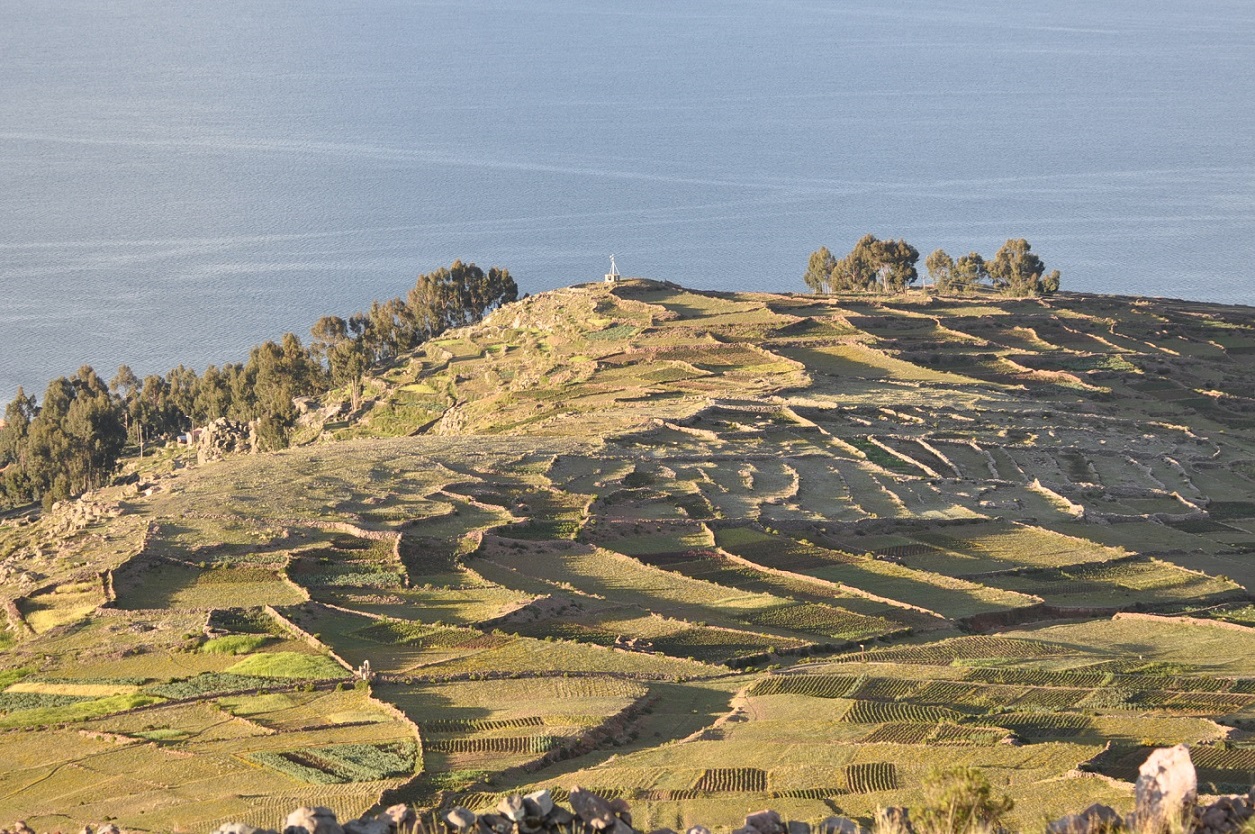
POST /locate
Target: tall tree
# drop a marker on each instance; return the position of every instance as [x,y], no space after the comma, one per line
[71,442]
[1050,282]
[457,296]
[280,373]
[1019,271]
[818,275]
[17,419]
[125,384]
[326,333]
[342,345]
[241,378]
[349,362]
[887,265]
[182,383]
[15,486]
[896,270]
[940,268]
[213,397]
[487,291]
[969,272]
[95,432]
[390,329]
[859,270]
[48,447]
[154,413]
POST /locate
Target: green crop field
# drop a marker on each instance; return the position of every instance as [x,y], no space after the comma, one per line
[706,552]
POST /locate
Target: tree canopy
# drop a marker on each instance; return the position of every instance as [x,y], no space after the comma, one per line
[969,271]
[940,269]
[65,446]
[1017,270]
[818,275]
[872,265]
[888,266]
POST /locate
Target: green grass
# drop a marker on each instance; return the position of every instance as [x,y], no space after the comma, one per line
[1207,648]
[947,596]
[522,655]
[816,686]
[8,677]
[670,541]
[158,585]
[287,665]
[234,644]
[1117,586]
[862,362]
[604,573]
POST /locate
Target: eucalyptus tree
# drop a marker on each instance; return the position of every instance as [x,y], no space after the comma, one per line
[969,271]
[818,275]
[940,268]
[1017,270]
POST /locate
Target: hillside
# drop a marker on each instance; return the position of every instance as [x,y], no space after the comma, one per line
[702,551]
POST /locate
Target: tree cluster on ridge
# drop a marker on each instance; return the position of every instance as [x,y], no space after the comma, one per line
[71,441]
[888,266]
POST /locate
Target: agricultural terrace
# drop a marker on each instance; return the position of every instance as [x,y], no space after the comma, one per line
[702,551]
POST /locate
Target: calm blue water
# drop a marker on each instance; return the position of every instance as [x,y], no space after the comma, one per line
[179,181]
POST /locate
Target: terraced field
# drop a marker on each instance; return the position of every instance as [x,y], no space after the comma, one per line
[704,551]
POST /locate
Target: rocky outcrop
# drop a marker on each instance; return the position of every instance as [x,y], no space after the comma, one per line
[315,820]
[1166,796]
[1227,815]
[318,819]
[223,437]
[1166,790]
[1096,819]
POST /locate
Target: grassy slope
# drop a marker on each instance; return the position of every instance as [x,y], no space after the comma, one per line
[708,550]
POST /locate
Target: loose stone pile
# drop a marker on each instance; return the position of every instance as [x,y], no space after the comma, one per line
[537,813]
[223,437]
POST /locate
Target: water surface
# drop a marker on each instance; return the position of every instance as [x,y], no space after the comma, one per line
[181,181]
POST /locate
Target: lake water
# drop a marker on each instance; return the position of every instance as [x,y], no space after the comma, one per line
[179,181]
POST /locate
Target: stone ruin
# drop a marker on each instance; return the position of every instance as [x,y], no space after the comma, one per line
[223,437]
[1165,802]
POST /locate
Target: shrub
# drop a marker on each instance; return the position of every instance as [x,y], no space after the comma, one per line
[960,801]
[637,479]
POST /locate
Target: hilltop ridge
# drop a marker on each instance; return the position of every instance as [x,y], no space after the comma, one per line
[699,550]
